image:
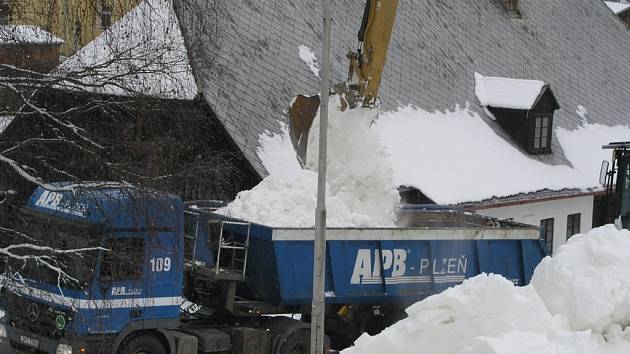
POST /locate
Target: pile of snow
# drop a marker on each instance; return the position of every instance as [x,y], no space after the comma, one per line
[504,92]
[588,280]
[17,34]
[142,53]
[360,190]
[578,303]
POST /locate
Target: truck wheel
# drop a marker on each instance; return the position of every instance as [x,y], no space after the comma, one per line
[143,344]
[297,343]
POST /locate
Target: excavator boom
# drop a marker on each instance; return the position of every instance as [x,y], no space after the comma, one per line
[368,62]
[364,78]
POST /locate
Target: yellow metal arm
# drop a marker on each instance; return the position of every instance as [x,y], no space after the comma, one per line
[375,33]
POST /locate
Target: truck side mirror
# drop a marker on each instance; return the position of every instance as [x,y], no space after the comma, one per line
[603,173]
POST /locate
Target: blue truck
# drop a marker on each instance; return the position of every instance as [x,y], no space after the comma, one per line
[151,274]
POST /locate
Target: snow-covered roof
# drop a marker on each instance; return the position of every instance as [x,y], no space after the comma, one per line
[617,7]
[4,122]
[503,92]
[18,34]
[142,53]
[430,66]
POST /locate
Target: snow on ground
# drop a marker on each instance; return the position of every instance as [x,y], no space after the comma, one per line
[507,93]
[434,151]
[588,280]
[360,190]
[578,303]
[142,53]
[308,56]
[14,34]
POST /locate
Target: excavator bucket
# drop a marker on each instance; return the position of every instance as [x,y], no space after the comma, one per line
[364,78]
[302,113]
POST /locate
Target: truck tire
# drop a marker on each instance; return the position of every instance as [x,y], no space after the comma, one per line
[143,344]
[298,342]
[288,336]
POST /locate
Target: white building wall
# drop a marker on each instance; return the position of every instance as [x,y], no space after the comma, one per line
[558,209]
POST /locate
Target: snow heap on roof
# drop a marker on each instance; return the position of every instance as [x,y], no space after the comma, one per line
[456,157]
[142,53]
[617,7]
[17,34]
[578,302]
[504,92]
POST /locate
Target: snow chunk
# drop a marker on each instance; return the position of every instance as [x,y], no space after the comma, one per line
[308,56]
[4,122]
[504,92]
[276,152]
[142,53]
[588,279]
[359,191]
[485,314]
[617,7]
[427,149]
[16,34]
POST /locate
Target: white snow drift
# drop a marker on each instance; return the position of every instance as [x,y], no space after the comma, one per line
[578,303]
[360,190]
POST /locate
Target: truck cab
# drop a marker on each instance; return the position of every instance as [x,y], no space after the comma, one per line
[114,268]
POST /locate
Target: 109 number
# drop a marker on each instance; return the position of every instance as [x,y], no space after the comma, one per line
[160,264]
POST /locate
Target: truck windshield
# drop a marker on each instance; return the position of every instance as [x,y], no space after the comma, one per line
[54,250]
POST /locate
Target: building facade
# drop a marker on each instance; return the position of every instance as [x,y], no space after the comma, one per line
[76,22]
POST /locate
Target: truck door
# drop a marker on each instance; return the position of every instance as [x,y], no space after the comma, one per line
[121,282]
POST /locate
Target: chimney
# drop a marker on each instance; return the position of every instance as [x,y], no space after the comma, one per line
[512,8]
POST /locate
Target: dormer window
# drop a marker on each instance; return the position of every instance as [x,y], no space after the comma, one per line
[542,132]
[523,108]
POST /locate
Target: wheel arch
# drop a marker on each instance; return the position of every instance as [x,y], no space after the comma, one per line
[157,328]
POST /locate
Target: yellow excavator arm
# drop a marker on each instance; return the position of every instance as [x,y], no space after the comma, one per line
[366,65]
[364,78]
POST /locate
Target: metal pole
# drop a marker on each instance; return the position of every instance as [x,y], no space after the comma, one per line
[319,259]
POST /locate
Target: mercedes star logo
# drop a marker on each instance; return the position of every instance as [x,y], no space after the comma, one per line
[33,312]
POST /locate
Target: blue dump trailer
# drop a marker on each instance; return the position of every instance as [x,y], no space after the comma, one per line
[149,274]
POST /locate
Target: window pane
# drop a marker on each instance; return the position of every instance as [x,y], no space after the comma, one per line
[573,224]
[546,226]
[537,143]
[545,122]
[537,119]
